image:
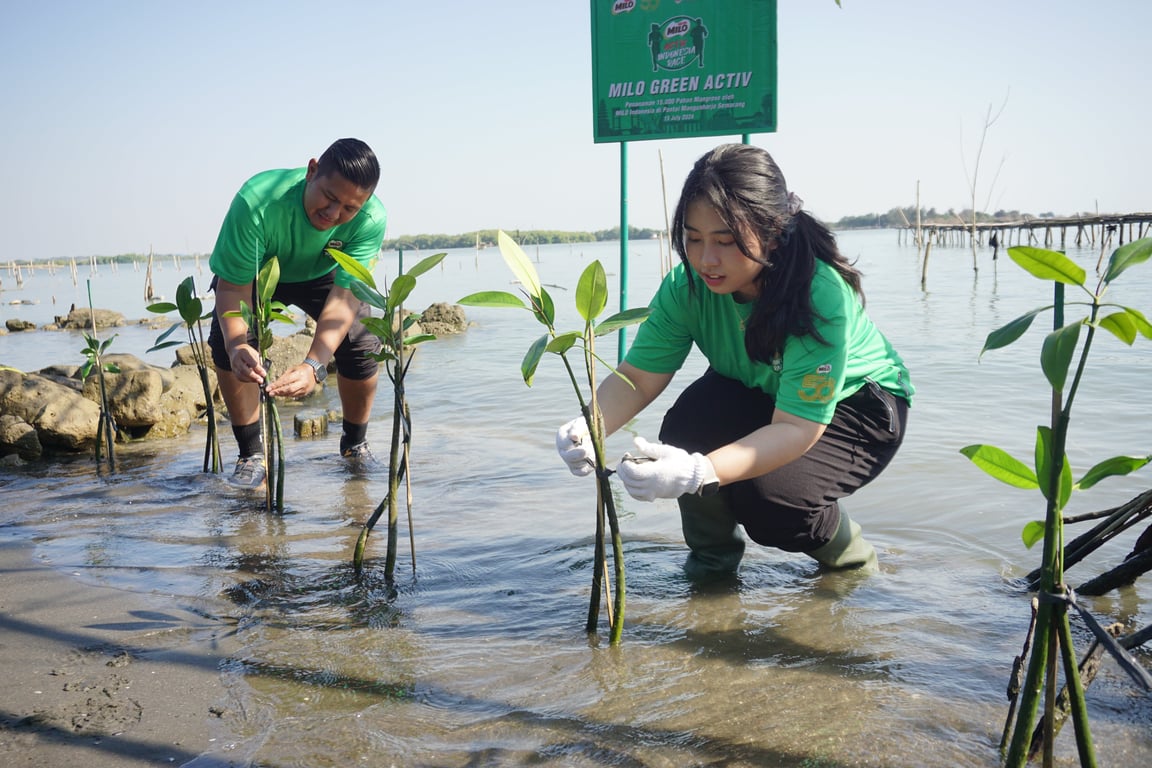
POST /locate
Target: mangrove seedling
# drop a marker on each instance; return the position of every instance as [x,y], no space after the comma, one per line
[93,352]
[259,320]
[392,329]
[591,300]
[1052,476]
[191,311]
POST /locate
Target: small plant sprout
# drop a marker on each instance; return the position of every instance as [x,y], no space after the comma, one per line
[591,300]
[191,311]
[259,320]
[93,351]
[396,355]
[1062,353]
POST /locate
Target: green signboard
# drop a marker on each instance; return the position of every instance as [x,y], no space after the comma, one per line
[678,68]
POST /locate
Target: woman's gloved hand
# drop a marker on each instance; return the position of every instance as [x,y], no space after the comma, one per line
[658,471]
[574,444]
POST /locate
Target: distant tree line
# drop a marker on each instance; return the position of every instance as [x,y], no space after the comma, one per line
[904,217]
[487,237]
[894,218]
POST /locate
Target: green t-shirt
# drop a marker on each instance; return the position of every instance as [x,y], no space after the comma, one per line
[267,219]
[808,379]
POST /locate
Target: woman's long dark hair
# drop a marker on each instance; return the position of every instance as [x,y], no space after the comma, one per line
[747,189]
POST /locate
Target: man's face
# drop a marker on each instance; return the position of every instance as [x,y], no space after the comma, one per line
[331,200]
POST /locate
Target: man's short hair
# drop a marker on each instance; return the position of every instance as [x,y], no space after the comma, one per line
[352,159]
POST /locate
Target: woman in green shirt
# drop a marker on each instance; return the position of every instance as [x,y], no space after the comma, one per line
[803,401]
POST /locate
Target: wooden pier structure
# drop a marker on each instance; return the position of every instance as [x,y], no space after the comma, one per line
[1058,233]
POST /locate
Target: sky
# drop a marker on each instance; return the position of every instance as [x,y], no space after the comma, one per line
[128,125]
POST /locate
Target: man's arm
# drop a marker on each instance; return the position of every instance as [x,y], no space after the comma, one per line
[243,357]
[331,327]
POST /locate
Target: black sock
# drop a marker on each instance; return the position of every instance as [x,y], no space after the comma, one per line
[248,439]
[353,435]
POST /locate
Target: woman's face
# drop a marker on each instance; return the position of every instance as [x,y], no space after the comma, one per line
[713,253]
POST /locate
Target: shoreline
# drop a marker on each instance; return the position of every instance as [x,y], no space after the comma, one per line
[102,677]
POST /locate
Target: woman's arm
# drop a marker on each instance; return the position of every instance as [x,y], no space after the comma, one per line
[620,401]
[786,439]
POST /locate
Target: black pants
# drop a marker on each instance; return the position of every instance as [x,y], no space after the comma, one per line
[794,507]
[352,356]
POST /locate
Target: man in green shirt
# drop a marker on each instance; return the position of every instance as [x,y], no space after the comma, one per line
[294,215]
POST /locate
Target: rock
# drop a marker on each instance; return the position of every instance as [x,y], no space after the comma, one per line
[310,424]
[443,319]
[63,371]
[19,437]
[187,387]
[185,355]
[183,403]
[149,402]
[64,375]
[81,319]
[133,397]
[63,418]
[14,325]
[127,362]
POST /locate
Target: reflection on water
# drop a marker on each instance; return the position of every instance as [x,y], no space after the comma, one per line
[479,658]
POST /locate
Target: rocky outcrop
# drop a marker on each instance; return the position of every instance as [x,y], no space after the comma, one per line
[145,401]
[443,319]
[63,418]
[19,437]
[81,319]
[54,411]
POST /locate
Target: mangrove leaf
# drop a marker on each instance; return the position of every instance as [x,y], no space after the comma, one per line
[1001,466]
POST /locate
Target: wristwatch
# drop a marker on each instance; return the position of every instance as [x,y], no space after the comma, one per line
[318,369]
[711,484]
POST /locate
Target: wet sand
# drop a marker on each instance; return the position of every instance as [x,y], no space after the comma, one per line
[100,677]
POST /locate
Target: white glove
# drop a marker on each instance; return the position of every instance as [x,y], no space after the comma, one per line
[661,471]
[574,444]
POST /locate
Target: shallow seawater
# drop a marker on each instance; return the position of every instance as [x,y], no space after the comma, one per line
[478,655]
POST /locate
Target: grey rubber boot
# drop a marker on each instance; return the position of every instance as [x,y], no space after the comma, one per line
[711,532]
[847,549]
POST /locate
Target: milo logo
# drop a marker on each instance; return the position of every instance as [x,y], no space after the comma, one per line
[623,6]
[677,43]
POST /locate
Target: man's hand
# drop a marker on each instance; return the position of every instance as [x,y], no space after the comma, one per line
[659,471]
[574,445]
[246,364]
[297,381]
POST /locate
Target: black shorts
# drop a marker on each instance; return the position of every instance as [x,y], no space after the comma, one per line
[795,506]
[352,356]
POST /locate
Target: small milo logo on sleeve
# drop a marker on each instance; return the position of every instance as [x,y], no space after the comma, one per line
[818,387]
